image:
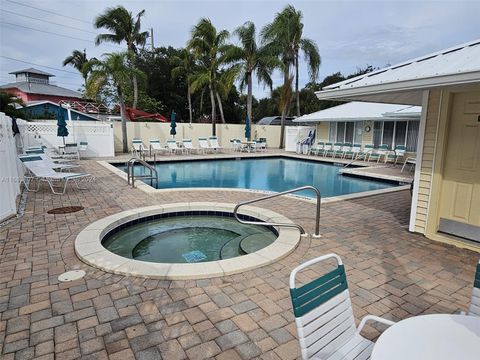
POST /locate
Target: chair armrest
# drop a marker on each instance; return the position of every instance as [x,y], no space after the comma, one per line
[373,318]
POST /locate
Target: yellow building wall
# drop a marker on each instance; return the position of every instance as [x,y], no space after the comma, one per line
[322,131]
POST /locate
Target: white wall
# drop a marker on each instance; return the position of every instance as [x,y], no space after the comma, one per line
[10,170]
[99,136]
[225,132]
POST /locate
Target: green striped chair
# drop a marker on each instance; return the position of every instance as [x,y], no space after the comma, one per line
[475,302]
[317,149]
[324,317]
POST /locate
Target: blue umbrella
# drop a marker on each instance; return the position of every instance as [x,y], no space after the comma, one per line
[173,124]
[248,130]
[61,124]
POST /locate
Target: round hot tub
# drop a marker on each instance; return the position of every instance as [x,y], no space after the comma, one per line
[185,241]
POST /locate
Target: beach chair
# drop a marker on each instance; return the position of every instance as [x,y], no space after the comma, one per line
[40,171]
[204,145]
[188,146]
[214,145]
[398,154]
[353,152]
[155,147]
[263,141]
[173,147]
[337,149]
[475,301]
[49,162]
[377,154]
[327,149]
[138,149]
[364,153]
[317,149]
[346,147]
[70,151]
[236,145]
[324,317]
[412,161]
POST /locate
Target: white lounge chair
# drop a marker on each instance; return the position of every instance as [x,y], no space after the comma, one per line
[40,171]
[214,145]
[204,145]
[188,146]
[173,147]
[156,147]
[324,317]
[475,302]
[346,147]
[49,162]
[327,149]
[318,149]
[138,149]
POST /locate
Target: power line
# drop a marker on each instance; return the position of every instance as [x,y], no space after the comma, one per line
[49,11]
[45,31]
[50,22]
[53,33]
[45,66]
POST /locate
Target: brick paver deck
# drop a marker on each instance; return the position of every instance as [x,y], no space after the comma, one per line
[391,272]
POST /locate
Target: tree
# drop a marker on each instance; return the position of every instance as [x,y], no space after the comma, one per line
[185,65]
[283,37]
[123,26]
[7,104]
[115,69]
[79,61]
[208,46]
[253,59]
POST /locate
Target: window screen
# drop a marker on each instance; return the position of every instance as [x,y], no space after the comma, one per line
[400,132]
[377,133]
[358,132]
[332,132]
[388,133]
[340,132]
[412,136]
[349,131]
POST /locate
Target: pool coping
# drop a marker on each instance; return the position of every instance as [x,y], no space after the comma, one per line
[88,245]
[151,190]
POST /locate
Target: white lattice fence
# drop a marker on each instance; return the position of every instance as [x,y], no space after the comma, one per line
[98,135]
[10,170]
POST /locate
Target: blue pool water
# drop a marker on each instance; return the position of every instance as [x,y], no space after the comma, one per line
[272,174]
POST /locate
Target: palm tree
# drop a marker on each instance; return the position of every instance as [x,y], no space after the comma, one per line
[123,26]
[208,46]
[253,59]
[115,69]
[185,65]
[78,59]
[283,37]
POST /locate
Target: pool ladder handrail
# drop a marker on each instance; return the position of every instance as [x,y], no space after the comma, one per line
[297,226]
[130,171]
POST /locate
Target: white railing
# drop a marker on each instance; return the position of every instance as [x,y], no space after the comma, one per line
[98,135]
[11,172]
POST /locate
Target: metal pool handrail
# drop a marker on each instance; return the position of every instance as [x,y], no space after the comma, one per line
[130,171]
[299,227]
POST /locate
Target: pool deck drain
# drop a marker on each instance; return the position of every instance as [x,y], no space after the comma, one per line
[71,275]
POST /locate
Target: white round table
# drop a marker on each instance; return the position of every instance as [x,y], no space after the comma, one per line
[430,337]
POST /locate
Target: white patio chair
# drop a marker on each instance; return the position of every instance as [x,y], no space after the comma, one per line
[318,149]
[49,162]
[39,171]
[327,148]
[337,150]
[188,146]
[475,301]
[82,148]
[324,317]
[204,145]
[173,147]
[346,148]
[412,161]
[138,149]
[236,145]
[70,151]
[214,145]
[354,152]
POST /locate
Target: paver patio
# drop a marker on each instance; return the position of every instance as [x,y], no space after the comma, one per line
[391,273]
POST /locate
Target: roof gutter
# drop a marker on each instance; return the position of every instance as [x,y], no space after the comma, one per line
[400,86]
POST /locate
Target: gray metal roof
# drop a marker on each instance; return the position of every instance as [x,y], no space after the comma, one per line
[44,89]
[31,71]
[404,82]
[276,120]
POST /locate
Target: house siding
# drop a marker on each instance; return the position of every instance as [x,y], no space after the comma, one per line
[427,161]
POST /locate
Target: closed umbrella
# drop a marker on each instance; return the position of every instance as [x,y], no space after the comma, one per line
[248,130]
[61,124]
[173,124]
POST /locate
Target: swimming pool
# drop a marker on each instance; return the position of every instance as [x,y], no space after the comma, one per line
[271,174]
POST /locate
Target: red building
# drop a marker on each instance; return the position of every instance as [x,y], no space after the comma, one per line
[33,85]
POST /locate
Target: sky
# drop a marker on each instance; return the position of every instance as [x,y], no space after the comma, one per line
[349,34]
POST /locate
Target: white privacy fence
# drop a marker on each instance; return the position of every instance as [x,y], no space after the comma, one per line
[11,172]
[98,135]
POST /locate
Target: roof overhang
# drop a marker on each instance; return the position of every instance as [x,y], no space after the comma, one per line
[407,92]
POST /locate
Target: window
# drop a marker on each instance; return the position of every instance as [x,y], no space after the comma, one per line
[393,133]
[345,132]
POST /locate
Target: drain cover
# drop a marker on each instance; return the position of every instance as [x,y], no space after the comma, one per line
[65,210]
[71,275]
